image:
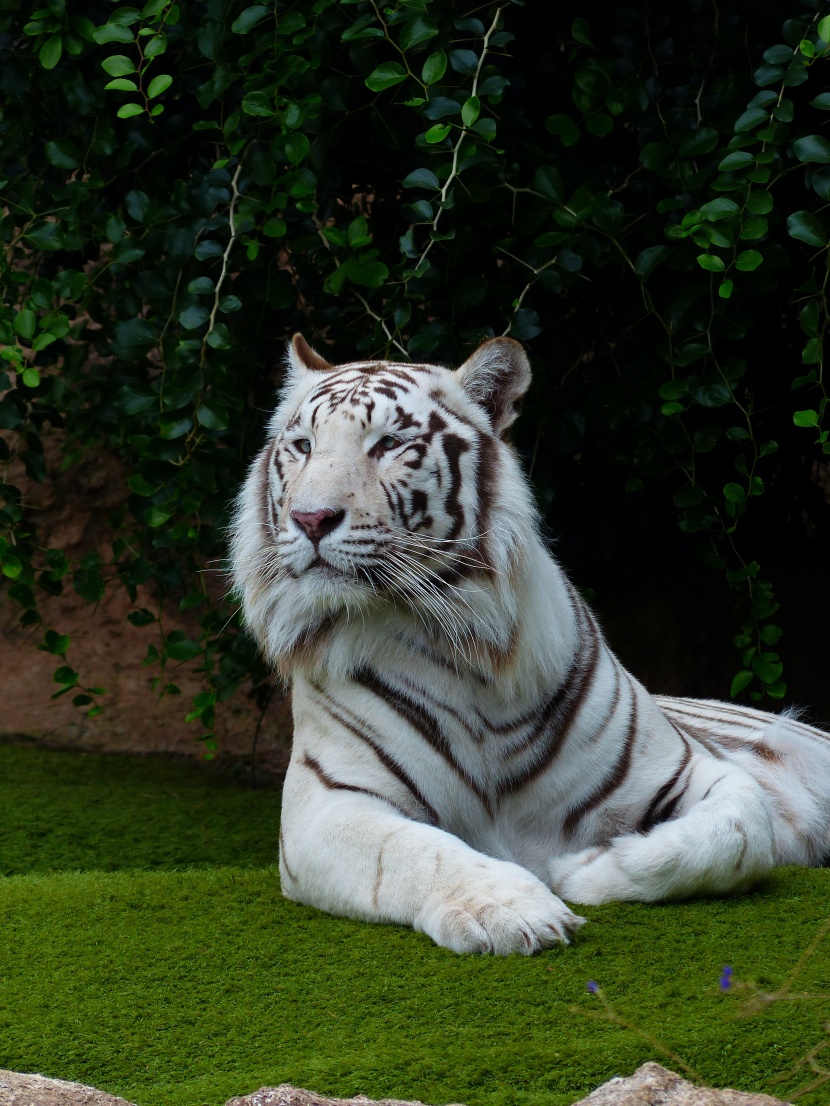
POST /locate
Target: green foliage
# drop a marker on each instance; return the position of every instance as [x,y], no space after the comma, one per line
[184,186]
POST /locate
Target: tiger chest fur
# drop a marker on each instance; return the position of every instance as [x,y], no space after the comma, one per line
[468,751]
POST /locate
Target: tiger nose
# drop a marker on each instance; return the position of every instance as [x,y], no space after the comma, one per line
[316,524]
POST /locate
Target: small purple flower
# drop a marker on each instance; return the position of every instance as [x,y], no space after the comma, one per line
[593,988]
[726,978]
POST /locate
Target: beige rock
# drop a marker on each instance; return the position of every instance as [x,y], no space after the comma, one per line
[650,1085]
[653,1085]
[36,1090]
[286,1095]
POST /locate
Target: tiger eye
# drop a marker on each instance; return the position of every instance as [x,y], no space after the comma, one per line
[388,441]
[303,444]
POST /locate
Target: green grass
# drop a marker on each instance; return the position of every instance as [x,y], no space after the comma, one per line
[167,968]
[64,811]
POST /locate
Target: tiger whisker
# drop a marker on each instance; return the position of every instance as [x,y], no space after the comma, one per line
[445,584]
[453,626]
[433,602]
[436,554]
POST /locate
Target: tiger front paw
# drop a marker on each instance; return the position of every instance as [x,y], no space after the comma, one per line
[510,913]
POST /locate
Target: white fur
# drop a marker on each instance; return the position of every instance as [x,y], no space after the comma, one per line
[417,660]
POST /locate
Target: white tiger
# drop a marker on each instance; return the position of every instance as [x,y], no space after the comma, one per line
[468,752]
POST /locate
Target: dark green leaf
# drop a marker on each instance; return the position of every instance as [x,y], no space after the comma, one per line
[257,103]
[201,286]
[754,226]
[548,181]
[296,147]
[748,260]
[141,486]
[207,248]
[525,325]
[118,65]
[157,516]
[470,111]
[45,236]
[25,323]
[133,338]
[813,148]
[649,259]
[768,74]
[700,141]
[193,316]
[599,124]
[804,226]
[155,46]
[463,61]
[750,119]
[742,680]
[158,85]
[760,203]
[63,154]
[249,17]
[711,262]
[212,416]
[415,31]
[738,159]
[434,67]
[721,208]
[581,32]
[767,667]
[778,55]
[713,393]
[50,52]
[437,133]
[370,274]
[183,650]
[112,32]
[386,75]
[421,178]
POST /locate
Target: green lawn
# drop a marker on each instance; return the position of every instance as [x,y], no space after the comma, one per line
[145,948]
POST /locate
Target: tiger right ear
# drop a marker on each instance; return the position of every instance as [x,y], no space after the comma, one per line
[302,358]
[496,377]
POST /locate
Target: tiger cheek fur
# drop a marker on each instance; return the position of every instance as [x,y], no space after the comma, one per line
[467,748]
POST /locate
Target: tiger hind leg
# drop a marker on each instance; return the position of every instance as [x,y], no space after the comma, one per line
[721,843]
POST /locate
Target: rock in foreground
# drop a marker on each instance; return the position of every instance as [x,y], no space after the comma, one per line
[653,1085]
[650,1085]
[36,1090]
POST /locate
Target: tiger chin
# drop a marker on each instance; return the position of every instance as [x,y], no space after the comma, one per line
[468,752]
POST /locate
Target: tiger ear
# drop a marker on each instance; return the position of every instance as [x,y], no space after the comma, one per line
[496,377]
[302,358]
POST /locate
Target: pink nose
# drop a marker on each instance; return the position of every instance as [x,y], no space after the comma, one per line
[316,524]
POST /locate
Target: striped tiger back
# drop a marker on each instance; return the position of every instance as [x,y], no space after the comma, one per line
[468,751]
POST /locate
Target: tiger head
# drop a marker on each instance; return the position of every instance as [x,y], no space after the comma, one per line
[384,489]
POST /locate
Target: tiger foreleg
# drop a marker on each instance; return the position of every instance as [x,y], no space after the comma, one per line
[721,843]
[352,855]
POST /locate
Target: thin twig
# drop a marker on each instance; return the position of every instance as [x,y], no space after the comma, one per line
[457,147]
[235,194]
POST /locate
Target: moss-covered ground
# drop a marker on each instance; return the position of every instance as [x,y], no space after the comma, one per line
[145,948]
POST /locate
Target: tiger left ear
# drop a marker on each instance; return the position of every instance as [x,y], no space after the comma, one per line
[301,357]
[496,377]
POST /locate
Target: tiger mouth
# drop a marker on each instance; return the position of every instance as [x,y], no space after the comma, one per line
[326,568]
